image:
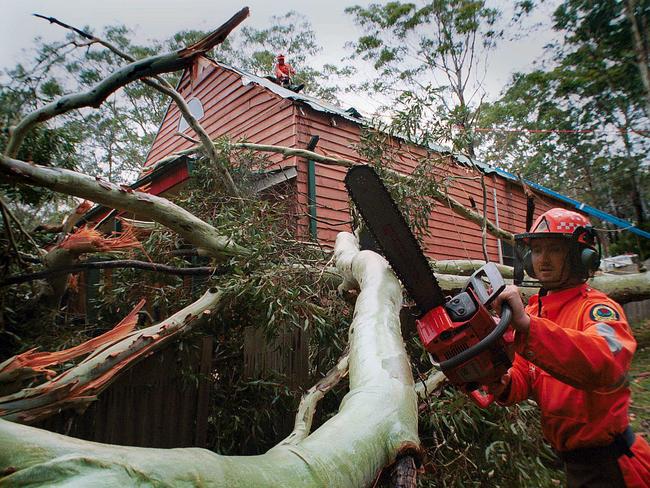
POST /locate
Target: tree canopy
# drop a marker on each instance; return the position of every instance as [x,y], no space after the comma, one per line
[580,126]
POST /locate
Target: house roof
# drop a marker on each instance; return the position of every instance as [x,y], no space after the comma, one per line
[353,115]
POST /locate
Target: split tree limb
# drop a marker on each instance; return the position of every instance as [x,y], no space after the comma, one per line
[32,363]
[80,384]
[434,380]
[191,228]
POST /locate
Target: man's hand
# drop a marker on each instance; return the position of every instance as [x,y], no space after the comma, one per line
[520,319]
[498,389]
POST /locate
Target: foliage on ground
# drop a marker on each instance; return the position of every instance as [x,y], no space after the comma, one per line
[640,380]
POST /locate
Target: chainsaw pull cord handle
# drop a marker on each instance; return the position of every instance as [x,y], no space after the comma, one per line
[481,397]
[486,343]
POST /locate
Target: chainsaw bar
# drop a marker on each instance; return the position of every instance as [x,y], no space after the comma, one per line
[394,237]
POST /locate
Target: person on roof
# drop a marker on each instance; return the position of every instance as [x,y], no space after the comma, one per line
[574,348]
[284,73]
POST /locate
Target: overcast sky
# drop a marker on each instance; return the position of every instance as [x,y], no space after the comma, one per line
[158,19]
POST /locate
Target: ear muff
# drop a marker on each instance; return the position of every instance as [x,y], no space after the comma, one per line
[586,259]
[590,259]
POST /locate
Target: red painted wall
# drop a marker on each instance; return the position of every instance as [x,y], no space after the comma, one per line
[452,236]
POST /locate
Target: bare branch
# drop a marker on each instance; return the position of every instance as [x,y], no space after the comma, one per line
[94,97]
[10,234]
[163,86]
[113,264]
[6,208]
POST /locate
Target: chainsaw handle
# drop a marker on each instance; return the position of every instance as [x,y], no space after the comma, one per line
[486,343]
[475,282]
[481,397]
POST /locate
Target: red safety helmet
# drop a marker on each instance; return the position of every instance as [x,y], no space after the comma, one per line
[561,222]
[584,257]
[281,57]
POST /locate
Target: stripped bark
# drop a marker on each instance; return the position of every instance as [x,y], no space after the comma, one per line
[81,384]
[31,364]
[68,252]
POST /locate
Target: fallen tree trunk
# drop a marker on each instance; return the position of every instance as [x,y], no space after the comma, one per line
[623,288]
[376,423]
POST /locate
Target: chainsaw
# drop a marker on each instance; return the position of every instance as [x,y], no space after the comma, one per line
[460,335]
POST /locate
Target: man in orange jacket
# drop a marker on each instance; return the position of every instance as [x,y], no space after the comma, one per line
[574,348]
[284,73]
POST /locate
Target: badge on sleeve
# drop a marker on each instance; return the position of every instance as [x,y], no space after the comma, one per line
[603,313]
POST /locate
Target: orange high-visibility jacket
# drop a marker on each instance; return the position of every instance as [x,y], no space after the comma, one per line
[574,363]
[284,70]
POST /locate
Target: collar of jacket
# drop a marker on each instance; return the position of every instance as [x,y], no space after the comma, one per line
[549,305]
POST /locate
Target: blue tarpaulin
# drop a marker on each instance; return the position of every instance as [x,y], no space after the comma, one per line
[583,207]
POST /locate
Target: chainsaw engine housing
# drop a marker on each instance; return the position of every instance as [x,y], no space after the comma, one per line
[458,325]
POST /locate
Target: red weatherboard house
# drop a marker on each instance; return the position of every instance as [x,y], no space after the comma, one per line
[230,102]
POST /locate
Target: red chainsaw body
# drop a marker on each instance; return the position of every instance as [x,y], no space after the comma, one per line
[445,339]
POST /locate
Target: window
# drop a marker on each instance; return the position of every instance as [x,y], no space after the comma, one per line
[508,253]
[196,109]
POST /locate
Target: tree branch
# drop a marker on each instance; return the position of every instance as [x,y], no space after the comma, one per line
[443,198]
[6,208]
[10,234]
[80,384]
[113,264]
[376,424]
[152,207]
[163,86]
[147,67]
[309,400]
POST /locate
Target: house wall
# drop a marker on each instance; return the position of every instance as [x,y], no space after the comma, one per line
[231,108]
[452,236]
